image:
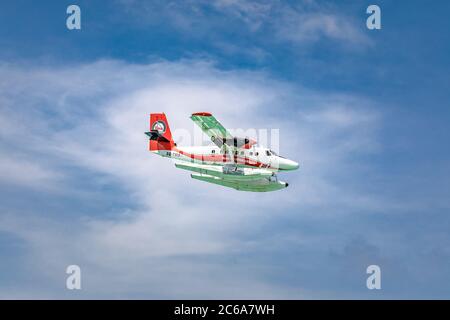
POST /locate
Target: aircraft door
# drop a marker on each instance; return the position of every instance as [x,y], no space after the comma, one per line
[264,157]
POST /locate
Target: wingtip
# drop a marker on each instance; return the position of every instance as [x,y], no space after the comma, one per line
[202,114]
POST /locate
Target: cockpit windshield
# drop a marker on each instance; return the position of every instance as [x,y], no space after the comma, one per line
[274,153]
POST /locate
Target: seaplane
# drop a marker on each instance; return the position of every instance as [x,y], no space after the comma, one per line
[234,162]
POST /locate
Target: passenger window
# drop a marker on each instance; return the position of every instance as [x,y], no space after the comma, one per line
[213,151]
[242,153]
[251,153]
[236,152]
[256,153]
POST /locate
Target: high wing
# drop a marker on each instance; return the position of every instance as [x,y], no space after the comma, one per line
[246,179]
[211,127]
[217,132]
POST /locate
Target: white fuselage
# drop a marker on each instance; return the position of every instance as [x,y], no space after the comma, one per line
[254,157]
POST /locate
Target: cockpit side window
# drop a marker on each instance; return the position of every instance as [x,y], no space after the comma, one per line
[268,153]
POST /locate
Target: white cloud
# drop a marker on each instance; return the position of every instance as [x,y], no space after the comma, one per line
[93,116]
[23,172]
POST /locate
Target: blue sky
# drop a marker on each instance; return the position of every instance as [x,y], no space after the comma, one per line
[364,112]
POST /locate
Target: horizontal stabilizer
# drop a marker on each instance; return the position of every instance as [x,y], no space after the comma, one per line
[155,135]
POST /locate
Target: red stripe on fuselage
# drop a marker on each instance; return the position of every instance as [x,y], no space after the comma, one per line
[223,158]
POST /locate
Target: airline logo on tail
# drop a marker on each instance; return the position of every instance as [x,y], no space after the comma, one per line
[159,126]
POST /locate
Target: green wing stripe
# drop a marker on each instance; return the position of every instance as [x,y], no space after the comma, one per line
[211,126]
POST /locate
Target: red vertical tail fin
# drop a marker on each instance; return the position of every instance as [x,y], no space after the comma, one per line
[160,135]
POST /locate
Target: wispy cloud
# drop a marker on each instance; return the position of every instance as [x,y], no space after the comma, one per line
[23,172]
[302,22]
[303,27]
[233,23]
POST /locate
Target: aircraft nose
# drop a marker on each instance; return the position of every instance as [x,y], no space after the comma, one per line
[289,165]
[293,165]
